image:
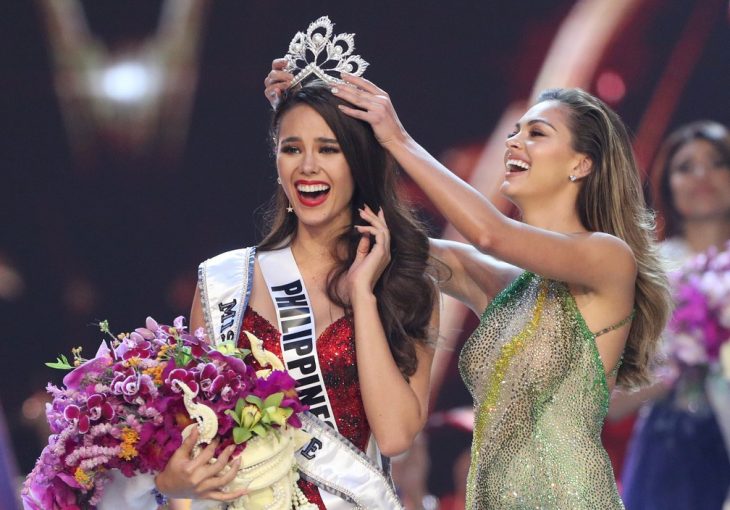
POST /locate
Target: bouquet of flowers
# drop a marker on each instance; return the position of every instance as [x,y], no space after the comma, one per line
[130,406]
[700,326]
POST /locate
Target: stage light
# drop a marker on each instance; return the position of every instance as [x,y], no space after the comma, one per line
[610,87]
[127,82]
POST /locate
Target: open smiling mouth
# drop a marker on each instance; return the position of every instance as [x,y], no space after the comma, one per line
[312,194]
[515,166]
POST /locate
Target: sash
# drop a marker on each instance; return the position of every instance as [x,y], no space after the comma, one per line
[296,324]
[336,465]
[224,283]
[349,478]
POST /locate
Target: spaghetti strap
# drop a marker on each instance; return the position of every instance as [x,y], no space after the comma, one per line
[617,325]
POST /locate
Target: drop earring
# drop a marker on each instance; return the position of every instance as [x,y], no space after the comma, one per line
[290,209]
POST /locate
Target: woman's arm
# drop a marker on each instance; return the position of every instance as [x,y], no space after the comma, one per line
[593,260]
[396,408]
[472,277]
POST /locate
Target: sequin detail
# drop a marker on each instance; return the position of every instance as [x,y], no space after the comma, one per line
[337,360]
[540,395]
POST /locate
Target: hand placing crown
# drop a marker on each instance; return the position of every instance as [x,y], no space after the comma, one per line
[318,53]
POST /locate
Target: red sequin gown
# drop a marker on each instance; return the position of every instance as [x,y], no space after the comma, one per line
[336,353]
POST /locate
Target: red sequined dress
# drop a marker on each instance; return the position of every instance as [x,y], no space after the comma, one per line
[336,353]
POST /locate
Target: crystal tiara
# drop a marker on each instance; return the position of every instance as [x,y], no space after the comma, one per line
[314,53]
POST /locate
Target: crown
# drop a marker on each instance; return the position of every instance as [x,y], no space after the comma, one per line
[314,53]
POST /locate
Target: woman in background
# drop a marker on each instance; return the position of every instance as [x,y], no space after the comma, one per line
[677,458]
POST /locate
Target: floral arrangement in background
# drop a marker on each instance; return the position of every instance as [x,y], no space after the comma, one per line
[699,329]
[124,410]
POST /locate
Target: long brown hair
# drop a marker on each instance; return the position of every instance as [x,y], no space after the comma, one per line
[405,292]
[611,200]
[712,132]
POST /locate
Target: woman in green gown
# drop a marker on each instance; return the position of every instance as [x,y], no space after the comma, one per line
[572,298]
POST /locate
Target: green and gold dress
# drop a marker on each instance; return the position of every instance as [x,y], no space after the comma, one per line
[540,396]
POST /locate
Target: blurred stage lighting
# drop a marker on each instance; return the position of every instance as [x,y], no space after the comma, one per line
[34,407]
[128,82]
[610,87]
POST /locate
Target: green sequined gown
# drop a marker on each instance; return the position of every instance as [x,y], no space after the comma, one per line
[540,397]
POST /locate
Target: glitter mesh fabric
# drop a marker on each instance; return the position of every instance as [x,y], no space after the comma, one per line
[540,396]
[336,354]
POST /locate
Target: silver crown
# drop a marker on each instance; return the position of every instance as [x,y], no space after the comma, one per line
[314,53]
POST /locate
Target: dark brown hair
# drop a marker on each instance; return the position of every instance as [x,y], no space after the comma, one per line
[712,132]
[405,292]
[611,200]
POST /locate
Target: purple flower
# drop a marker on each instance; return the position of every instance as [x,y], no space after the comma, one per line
[699,325]
[77,377]
[131,385]
[211,381]
[184,376]
[74,415]
[179,323]
[277,381]
[99,407]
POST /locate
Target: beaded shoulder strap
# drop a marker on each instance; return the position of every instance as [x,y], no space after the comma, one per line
[617,325]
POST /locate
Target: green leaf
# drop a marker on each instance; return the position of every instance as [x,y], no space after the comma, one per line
[259,430]
[61,363]
[241,435]
[234,415]
[253,399]
[240,404]
[274,400]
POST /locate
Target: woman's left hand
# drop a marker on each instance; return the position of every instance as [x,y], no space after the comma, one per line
[373,106]
[370,262]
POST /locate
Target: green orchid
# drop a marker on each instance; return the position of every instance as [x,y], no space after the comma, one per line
[229,348]
[257,417]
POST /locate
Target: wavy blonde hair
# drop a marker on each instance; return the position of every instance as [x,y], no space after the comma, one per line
[611,200]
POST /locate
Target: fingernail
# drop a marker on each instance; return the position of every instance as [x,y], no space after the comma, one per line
[334,90]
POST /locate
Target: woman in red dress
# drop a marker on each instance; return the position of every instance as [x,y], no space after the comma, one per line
[363,260]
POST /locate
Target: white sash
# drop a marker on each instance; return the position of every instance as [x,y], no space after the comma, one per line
[296,324]
[224,283]
[349,479]
[339,467]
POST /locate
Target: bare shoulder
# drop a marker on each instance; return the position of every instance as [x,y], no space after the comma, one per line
[615,257]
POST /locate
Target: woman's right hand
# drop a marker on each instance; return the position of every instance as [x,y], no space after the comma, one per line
[186,478]
[277,81]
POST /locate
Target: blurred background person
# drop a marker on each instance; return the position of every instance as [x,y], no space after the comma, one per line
[677,457]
